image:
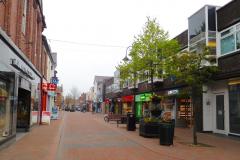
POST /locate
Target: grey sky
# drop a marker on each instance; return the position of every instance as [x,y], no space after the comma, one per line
[107,22]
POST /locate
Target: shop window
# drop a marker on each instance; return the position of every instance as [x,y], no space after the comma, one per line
[185,111]
[5,110]
[234,108]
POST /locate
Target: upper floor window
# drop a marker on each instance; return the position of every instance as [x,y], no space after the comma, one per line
[24,16]
[230,40]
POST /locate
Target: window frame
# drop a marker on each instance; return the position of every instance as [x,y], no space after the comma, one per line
[233,31]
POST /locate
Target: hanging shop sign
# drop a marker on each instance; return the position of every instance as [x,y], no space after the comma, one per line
[143,97]
[54,80]
[49,87]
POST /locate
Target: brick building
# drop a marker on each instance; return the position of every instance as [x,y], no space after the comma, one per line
[24,66]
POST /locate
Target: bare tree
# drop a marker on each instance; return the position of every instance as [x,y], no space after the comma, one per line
[68,99]
[75,94]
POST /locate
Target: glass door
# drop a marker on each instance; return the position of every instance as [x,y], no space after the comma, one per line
[220,112]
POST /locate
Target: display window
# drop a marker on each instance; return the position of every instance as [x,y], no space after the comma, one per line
[5,110]
[234,108]
[127,107]
[35,104]
[185,111]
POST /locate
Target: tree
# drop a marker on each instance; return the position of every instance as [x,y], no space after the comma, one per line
[75,94]
[148,52]
[68,99]
[195,70]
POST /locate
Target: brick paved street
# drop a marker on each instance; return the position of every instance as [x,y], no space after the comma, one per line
[84,136]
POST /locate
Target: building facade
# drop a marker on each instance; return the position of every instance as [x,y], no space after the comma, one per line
[98,91]
[23,66]
[222,99]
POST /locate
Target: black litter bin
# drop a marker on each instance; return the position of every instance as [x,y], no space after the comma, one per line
[131,122]
[166,131]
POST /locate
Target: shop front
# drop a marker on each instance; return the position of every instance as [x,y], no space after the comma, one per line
[117,105]
[127,104]
[19,91]
[142,104]
[7,103]
[178,104]
[221,107]
[107,103]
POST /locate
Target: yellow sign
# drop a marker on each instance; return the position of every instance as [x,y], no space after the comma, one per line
[234,82]
[3,93]
[211,44]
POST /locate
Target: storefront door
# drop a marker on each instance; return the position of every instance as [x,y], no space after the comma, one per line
[23,110]
[220,112]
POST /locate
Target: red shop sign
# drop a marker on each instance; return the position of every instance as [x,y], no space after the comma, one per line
[128,98]
[49,87]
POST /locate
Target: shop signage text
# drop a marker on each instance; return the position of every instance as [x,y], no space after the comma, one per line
[173,92]
[16,64]
[49,87]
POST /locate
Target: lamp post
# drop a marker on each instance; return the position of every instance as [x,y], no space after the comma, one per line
[126,59]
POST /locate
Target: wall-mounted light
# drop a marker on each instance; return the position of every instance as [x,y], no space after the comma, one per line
[208,102]
[205,89]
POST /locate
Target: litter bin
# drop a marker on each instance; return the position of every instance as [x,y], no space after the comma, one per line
[166,131]
[131,122]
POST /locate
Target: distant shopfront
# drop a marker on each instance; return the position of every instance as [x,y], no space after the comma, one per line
[19,91]
[142,104]
[127,104]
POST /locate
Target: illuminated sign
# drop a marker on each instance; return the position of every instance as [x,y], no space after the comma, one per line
[49,87]
[54,80]
[173,92]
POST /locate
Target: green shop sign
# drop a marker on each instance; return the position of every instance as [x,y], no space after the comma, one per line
[143,97]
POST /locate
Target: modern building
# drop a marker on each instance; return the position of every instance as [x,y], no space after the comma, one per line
[222,101]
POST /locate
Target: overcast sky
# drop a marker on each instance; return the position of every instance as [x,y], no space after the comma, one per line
[102,30]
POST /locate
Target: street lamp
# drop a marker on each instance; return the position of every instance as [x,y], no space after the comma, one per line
[126,59]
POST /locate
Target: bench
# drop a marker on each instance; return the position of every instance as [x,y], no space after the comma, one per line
[114,117]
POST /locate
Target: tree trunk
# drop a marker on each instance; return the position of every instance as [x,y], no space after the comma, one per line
[194,96]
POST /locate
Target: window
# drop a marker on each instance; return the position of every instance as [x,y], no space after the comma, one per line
[234,108]
[238,39]
[24,16]
[230,40]
[227,44]
[197,23]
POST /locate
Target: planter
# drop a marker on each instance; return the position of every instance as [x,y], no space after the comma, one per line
[149,129]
